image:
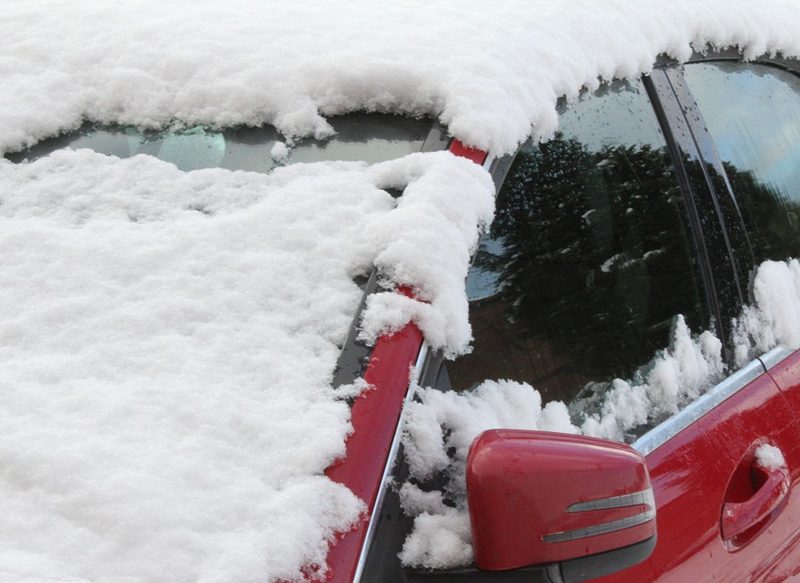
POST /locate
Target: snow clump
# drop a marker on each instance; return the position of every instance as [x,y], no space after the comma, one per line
[770,457]
[438,431]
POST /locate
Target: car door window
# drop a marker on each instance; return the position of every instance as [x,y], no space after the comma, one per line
[589,259]
[753,113]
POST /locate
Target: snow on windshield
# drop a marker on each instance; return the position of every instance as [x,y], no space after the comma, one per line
[490,71]
[168,341]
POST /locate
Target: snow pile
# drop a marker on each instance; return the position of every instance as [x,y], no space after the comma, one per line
[167,341]
[440,427]
[770,457]
[774,318]
[489,71]
[679,374]
[426,243]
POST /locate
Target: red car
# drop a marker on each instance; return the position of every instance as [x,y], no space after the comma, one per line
[657,198]
[683,182]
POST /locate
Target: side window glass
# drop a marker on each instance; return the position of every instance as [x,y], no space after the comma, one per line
[371,137]
[589,260]
[753,113]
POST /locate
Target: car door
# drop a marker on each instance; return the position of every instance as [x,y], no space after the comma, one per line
[743,120]
[701,467]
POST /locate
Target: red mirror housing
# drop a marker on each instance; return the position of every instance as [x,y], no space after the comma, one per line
[537,497]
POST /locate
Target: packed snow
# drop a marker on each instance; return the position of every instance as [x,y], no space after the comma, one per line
[440,427]
[168,341]
[168,338]
[492,72]
[770,457]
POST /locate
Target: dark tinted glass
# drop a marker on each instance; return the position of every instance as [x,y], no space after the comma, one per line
[589,259]
[368,137]
[753,113]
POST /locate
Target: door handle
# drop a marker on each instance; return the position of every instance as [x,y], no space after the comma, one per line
[737,517]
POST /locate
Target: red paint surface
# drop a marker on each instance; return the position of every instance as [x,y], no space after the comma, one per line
[709,465]
[374,418]
[520,484]
[459,149]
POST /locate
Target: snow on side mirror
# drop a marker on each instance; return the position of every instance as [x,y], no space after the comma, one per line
[537,497]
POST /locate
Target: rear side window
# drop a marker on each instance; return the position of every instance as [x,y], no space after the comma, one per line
[753,113]
[370,137]
[589,259]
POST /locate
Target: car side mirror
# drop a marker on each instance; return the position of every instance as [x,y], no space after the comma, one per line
[541,498]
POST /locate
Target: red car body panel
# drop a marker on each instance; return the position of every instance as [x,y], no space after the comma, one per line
[709,464]
[374,417]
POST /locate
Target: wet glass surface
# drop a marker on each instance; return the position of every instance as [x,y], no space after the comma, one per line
[368,137]
[589,259]
[753,113]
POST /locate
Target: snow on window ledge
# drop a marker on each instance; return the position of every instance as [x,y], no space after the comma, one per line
[440,427]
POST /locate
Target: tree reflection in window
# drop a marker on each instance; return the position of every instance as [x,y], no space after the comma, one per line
[589,259]
[753,113]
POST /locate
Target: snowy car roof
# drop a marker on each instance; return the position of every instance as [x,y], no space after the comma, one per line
[490,72]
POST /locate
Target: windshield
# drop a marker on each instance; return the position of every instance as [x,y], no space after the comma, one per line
[360,136]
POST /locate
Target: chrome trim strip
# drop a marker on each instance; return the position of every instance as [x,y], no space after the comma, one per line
[774,356]
[390,459]
[633,499]
[603,528]
[657,436]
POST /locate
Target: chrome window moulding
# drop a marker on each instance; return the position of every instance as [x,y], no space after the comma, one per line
[698,408]
[774,356]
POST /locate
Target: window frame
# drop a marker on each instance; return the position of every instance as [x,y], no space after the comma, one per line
[741,250]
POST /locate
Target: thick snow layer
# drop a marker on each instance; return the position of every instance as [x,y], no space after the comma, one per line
[440,427]
[491,71]
[167,341]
